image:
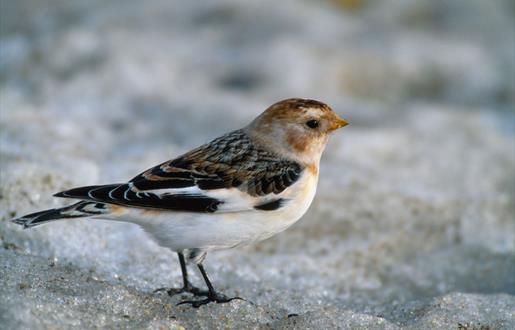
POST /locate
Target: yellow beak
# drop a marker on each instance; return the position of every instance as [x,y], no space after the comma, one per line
[338,123]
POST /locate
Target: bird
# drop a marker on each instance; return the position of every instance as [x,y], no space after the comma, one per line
[242,187]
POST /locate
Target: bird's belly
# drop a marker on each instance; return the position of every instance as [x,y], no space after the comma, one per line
[180,231]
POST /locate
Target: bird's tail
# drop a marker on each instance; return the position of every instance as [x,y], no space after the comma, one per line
[78,210]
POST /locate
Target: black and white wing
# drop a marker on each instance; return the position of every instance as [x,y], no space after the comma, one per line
[226,175]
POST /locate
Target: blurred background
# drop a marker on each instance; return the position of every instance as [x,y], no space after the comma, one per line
[414,221]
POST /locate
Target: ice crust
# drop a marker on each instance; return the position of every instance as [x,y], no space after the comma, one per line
[413,225]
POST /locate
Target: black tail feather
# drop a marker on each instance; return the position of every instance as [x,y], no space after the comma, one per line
[78,210]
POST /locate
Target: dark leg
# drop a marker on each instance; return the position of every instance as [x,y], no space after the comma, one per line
[212,295]
[187,286]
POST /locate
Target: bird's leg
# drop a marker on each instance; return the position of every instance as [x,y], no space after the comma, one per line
[187,286]
[212,295]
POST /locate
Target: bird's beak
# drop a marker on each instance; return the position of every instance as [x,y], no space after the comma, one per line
[338,123]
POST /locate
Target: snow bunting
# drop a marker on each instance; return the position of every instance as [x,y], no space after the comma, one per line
[242,187]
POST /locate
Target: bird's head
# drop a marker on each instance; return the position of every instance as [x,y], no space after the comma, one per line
[297,128]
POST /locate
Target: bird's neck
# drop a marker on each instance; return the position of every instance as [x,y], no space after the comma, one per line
[288,147]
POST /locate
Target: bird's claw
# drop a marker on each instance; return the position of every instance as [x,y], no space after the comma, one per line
[185,289]
[198,292]
[216,297]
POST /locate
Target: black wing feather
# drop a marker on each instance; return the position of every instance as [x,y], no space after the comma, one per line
[122,194]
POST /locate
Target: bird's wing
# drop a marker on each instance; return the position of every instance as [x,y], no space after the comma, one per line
[226,175]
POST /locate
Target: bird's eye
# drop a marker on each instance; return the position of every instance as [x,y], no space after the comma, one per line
[312,123]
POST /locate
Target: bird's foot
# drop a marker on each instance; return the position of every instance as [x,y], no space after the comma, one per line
[211,297]
[185,289]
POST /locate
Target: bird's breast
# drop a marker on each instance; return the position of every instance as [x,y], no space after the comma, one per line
[297,198]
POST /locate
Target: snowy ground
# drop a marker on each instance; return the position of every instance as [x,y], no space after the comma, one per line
[413,225]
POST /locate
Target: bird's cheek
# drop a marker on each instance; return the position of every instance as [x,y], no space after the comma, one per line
[298,142]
